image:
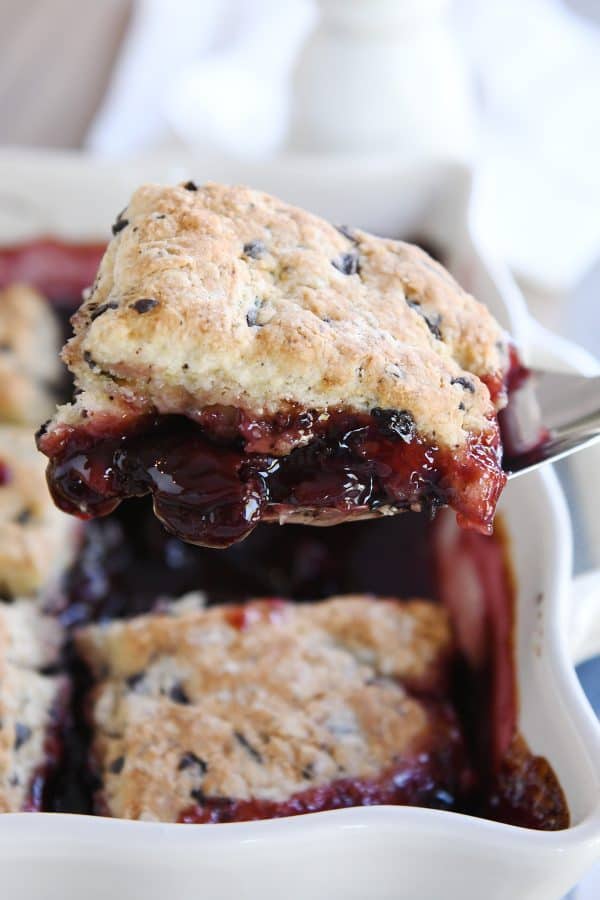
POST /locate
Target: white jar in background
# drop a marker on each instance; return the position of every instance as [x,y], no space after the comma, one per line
[379,76]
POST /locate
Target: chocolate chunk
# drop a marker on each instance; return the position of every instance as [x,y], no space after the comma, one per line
[347,232]
[347,264]
[395,423]
[133,680]
[89,359]
[102,309]
[190,759]
[178,694]
[254,249]
[144,305]
[432,321]
[252,314]
[190,186]
[120,223]
[245,743]
[42,430]
[197,795]
[22,734]
[464,383]
[24,516]
[116,766]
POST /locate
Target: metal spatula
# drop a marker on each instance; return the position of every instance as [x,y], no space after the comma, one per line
[549,416]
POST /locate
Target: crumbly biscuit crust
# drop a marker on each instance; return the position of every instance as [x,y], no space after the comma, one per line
[29,361]
[29,701]
[259,702]
[37,541]
[29,638]
[225,295]
[28,704]
[409,640]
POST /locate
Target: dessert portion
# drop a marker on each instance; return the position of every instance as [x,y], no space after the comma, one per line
[31,705]
[273,709]
[29,362]
[37,541]
[242,360]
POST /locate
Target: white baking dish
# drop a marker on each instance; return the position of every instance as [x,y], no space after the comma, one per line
[366,853]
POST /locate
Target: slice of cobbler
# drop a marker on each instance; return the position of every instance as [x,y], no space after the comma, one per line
[29,363]
[274,709]
[31,704]
[37,541]
[243,360]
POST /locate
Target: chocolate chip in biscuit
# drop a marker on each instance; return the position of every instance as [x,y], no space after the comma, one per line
[347,264]
[144,305]
[120,223]
[254,249]
[102,309]
[189,760]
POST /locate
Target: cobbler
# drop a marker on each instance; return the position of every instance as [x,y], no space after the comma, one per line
[242,360]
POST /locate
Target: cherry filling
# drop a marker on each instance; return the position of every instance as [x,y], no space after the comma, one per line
[212,480]
[40,784]
[440,778]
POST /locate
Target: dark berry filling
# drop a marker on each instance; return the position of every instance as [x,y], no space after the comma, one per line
[41,782]
[525,791]
[438,777]
[213,480]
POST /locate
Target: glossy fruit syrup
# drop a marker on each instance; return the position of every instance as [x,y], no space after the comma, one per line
[212,481]
[475,582]
[41,787]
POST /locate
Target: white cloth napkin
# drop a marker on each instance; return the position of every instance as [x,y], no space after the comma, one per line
[215,76]
[537,69]
[212,75]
